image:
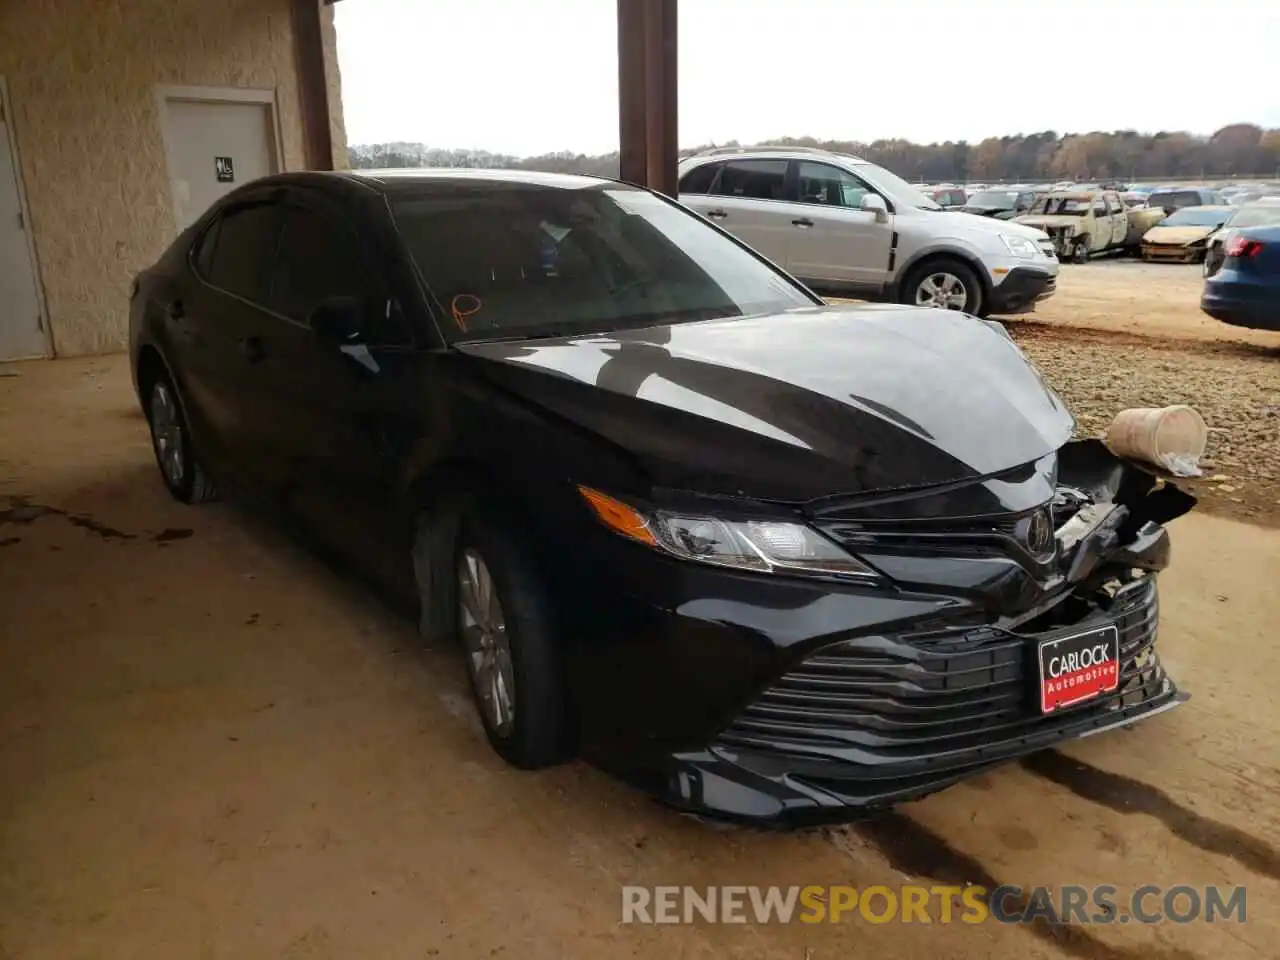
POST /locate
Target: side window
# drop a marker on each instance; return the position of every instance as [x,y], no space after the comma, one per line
[205,246]
[1099,206]
[321,258]
[245,250]
[823,183]
[753,179]
[700,178]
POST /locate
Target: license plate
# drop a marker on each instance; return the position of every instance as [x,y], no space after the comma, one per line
[1078,667]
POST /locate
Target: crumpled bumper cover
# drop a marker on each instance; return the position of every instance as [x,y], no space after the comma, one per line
[864,725]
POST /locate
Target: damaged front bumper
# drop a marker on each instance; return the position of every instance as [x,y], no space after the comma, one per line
[806,703]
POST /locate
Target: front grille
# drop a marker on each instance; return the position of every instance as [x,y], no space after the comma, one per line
[898,699]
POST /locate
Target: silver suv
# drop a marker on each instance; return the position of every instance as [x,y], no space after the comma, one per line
[843,225]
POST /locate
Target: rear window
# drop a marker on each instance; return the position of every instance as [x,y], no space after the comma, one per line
[517,261]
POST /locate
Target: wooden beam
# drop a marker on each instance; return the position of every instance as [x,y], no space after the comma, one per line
[647,113]
[313,85]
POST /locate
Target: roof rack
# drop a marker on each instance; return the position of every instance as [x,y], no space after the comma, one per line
[772,148]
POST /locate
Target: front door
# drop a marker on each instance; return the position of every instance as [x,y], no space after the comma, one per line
[343,415]
[832,238]
[21,326]
[215,147]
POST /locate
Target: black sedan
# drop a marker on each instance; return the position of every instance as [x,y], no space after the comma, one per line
[771,559]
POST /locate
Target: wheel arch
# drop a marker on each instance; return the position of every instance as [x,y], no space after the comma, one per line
[969,259]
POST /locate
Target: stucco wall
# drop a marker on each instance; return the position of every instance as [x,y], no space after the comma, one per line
[82,76]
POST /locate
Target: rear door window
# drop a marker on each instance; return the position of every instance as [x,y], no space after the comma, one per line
[752,179]
[699,179]
[244,249]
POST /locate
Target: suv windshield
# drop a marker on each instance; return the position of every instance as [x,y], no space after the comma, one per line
[1068,206]
[894,186]
[511,260]
[995,199]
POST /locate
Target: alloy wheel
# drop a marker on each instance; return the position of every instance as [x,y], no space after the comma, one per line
[166,434]
[488,648]
[942,289]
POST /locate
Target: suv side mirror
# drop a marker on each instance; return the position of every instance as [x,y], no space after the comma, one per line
[874,203]
[338,320]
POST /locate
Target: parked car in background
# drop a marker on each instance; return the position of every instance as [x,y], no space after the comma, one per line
[1082,223]
[1183,236]
[947,196]
[1245,292]
[1261,214]
[1000,204]
[1175,198]
[843,225]
[680,516]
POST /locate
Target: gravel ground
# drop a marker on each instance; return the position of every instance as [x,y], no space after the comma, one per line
[1235,386]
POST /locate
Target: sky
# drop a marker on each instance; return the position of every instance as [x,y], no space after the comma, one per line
[527,77]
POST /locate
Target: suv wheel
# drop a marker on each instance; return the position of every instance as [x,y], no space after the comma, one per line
[1080,253]
[948,284]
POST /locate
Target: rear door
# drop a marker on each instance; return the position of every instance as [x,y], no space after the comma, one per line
[748,198]
[215,323]
[1119,218]
[832,238]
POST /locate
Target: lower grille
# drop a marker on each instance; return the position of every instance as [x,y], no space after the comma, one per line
[901,699]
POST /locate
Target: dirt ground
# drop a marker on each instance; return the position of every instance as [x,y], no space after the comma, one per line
[212,745]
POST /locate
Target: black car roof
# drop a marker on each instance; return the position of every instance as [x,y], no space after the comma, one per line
[419,180]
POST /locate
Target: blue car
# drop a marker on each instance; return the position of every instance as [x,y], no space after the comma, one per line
[1246,291]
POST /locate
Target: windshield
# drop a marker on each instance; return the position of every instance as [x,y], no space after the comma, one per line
[1196,217]
[1000,199]
[1256,216]
[1068,206]
[895,186]
[1173,200]
[519,260]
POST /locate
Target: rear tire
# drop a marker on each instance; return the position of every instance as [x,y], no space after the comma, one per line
[512,657]
[185,477]
[940,283]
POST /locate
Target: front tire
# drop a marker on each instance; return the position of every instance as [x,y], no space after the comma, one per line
[1080,252]
[184,475]
[507,633]
[946,283]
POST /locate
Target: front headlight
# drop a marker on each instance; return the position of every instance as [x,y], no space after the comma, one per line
[1020,246]
[763,546]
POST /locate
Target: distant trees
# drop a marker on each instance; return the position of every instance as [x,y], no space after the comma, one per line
[1238,149]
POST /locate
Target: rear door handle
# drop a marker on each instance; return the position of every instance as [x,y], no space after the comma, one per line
[716,214]
[176,310]
[253,349]
[803,222]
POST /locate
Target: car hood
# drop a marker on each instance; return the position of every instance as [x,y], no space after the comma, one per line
[798,405]
[1177,236]
[1052,220]
[989,225]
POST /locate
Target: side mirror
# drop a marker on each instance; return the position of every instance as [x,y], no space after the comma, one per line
[874,203]
[338,320]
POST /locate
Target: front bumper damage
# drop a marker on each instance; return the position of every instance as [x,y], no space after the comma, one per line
[1173,252]
[890,711]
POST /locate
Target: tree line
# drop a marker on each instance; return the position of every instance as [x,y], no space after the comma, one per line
[1236,150]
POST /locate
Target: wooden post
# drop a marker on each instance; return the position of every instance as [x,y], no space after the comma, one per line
[313,87]
[647,93]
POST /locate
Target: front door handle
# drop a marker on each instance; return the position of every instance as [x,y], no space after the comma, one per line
[803,222]
[716,214]
[253,349]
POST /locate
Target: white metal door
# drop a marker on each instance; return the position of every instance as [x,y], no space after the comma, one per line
[21,330]
[215,147]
